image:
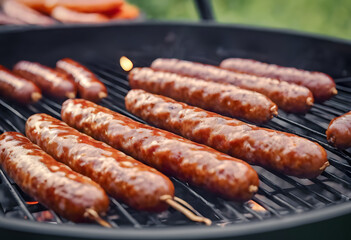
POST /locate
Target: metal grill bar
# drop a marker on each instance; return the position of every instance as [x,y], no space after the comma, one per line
[278,195]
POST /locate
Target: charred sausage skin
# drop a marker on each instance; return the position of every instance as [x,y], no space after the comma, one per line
[51,183]
[124,178]
[222,98]
[173,155]
[18,89]
[320,84]
[339,131]
[289,97]
[283,152]
[52,83]
[89,86]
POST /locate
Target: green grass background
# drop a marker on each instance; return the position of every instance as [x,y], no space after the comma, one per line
[327,17]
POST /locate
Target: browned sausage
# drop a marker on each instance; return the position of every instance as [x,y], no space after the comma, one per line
[5,19]
[339,131]
[52,83]
[289,97]
[51,183]
[124,178]
[85,6]
[25,13]
[18,89]
[222,98]
[320,84]
[89,86]
[283,152]
[67,15]
[173,155]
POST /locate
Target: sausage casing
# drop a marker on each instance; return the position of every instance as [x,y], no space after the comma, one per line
[173,155]
[67,15]
[283,152]
[89,86]
[25,14]
[18,89]
[52,83]
[222,98]
[339,131]
[51,183]
[289,97]
[124,178]
[320,84]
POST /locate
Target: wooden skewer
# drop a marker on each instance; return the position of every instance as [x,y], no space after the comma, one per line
[93,215]
[176,205]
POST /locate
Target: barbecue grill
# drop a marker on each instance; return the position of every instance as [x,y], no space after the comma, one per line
[283,207]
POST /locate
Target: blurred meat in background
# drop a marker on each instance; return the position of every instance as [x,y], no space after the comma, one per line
[49,12]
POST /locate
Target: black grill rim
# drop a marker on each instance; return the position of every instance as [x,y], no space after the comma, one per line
[175,232]
[183,232]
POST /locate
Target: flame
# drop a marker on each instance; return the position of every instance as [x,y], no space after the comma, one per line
[125,63]
[256,207]
[32,203]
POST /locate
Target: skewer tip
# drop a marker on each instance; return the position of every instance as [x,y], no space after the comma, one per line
[334,91]
[325,165]
[274,110]
[36,96]
[253,188]
[175,203]
[93,215]
[71,95]
[309,101]
[102,95]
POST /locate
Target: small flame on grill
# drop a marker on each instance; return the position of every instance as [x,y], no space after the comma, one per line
[32,203]
[125,63]
[256,207]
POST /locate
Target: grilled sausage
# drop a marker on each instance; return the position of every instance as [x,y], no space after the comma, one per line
[283,152]
[25,14]
[51,82]
[320,84]
[124,178]
[288,97]
[51,183]
[89,86]
[173,155]
[67,15]
[85,6]
[217,97]
[18,89]
[339,131]
[5,19]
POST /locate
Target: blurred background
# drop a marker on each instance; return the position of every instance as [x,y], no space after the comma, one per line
[327,17]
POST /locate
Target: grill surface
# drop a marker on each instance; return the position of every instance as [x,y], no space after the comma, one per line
[281,201]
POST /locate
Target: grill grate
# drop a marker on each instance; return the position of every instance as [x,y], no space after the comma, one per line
[278,195]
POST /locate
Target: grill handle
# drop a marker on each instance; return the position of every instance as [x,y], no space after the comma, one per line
[205,10]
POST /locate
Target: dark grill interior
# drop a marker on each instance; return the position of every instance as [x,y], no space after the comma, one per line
[277,197]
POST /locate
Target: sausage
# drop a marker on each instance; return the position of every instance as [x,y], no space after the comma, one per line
[89,86]
[126,11]
[67,15]
[124,178]
[51,183]
[52,83]
[5,20]
[85,6]
[339,131]
[282,152]
[289,97]
[320,84]
[18,89]
[222,98]
[25,14]
[173,155]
